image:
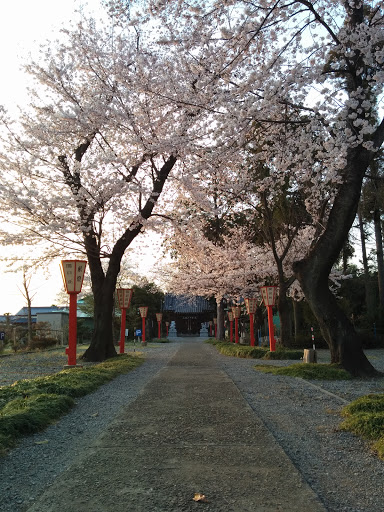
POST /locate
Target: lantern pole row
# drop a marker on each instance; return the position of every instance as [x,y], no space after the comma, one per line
[72,272]
[268,294]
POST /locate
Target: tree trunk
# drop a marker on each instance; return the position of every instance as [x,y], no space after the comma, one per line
[220,320]
[28,298]
[284,309]
[103,284]
[102,346]
[312,272]
[30,334]
[343,341]
[369,300]
[379,254]
[296,318]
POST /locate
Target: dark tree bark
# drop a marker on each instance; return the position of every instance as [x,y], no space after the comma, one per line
[379,253]
[104,284]
[220,320]
[369,300]
[283,306]
[313,271]
[28,298]
[296,318]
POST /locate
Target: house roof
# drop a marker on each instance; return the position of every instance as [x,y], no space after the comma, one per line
[34,310]
[184,304]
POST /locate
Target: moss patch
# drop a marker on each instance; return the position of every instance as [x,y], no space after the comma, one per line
[28,406]
[236,350]
[365,418]
[308,371]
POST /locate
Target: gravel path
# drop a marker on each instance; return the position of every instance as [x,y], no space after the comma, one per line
[302,416]
[39,459]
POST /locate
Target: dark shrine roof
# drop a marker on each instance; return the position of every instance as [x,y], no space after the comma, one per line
[184,304]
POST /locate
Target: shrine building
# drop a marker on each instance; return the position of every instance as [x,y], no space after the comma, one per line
[188,313]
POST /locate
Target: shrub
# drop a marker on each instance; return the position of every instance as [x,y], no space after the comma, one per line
[369,340]
[284,353]
[41,343]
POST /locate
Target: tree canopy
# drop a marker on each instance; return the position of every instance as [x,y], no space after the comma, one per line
[206,93]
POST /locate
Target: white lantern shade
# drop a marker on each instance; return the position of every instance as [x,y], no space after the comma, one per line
[269,295]
[143,311]
[159,317]
[251,305]
[72,272]
[124,296]
[230,316]
[236,310]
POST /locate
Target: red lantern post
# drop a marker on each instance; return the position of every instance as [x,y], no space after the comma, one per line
[215,324]
[269,297]
[251,305]
[236,310]
[124,296]
[159,317]
[72,272]
[167,327]
[143,312]
[230,318]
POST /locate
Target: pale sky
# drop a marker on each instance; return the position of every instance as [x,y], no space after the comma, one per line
[24,24]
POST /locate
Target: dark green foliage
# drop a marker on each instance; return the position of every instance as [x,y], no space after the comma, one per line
[147,295]
[303,340]
[283,353]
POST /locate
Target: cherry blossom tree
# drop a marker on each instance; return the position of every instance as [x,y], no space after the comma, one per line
[301,84]
[237,244]
[84,167]
[202,267]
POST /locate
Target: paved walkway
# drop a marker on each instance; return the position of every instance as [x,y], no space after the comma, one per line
[189,431]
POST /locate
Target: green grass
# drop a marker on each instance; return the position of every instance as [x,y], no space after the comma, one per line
[365,417]
[236,350]
[28,406]
[308,371]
